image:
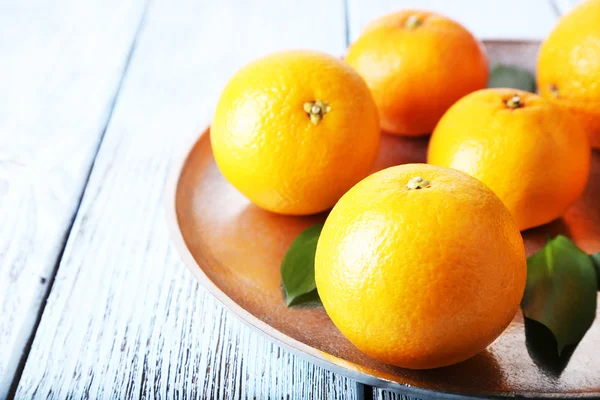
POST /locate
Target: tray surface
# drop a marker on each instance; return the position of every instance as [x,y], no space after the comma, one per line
[235,250]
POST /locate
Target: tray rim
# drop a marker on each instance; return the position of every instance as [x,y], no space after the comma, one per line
[324,360]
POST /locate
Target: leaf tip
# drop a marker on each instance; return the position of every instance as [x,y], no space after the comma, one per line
[289,301]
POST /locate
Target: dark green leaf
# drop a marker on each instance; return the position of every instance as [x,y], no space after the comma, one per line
[298,268]
[506,76]
[561,290]
[596,260]
[307,300]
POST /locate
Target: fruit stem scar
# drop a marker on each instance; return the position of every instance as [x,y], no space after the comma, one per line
[554,90]
[514,102]
[417,183]
[316,110]
[412,22]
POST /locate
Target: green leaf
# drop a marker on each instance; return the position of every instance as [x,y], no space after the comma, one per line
[307,300]
[298,268]
[506,76]
[561,291]
[596,260]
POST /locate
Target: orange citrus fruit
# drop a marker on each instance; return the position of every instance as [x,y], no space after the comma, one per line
[568,68]
[417,64]
[531,152]
[420,266]
[294,131]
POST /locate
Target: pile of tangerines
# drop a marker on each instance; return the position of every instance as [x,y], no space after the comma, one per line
[418,265]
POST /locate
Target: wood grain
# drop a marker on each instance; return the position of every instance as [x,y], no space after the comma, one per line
[125,318]
[60,71]
[387,395]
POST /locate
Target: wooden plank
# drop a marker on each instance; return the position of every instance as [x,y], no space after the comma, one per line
[61,67]
[379,394]
[125,318]
[508,19]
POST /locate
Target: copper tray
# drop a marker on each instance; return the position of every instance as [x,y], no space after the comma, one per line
[234,249]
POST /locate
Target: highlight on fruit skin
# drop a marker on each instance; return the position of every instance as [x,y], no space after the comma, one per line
[532,153]
[568,65]
[294,131]
[417,64]
[420,266]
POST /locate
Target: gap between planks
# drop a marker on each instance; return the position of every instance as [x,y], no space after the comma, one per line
[124,318]
[50,279]
[52,110]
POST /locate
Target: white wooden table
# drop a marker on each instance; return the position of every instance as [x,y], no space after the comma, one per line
[96,98]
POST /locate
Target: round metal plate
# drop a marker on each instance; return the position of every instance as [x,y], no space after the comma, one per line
[235,249]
